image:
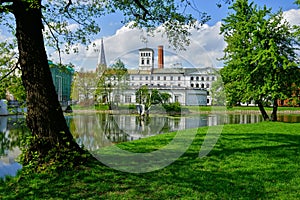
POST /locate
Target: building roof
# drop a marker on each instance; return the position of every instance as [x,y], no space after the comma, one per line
[146,49]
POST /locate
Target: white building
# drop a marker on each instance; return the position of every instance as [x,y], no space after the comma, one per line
[188,86]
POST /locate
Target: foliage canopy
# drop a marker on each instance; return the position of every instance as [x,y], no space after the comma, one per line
[261,62]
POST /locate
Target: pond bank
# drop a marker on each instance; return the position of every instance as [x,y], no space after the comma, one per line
[195,111]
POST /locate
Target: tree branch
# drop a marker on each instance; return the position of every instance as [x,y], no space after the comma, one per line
[146,12]
[11,71]
[55,38]
[6,7]
[68,5]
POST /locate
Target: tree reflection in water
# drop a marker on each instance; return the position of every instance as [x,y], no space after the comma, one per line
[11,131]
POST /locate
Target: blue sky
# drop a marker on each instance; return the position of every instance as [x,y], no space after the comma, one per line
[205,50]
[111,23]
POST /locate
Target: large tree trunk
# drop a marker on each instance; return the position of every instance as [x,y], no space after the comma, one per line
[274,112]
[263,111]
[51,139]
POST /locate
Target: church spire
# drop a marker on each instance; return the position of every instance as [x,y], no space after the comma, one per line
[101,58]
[101,64]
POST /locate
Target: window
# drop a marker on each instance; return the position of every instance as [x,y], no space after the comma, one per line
[197,78]
[132,77]
[178,85]
[207,101]
[176,98]
[158,78]
[148,61]
[143,62]
[146,78]
[152,78]
[213,78]
[140,77]
[202,78]
[127,99]
[197,85]
[165,78]
[202,85]
[179,78]
[192,78]
[192,85]
[171,78]
[207,85]
[207,78]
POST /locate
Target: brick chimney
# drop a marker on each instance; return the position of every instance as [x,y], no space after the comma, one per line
[160,57]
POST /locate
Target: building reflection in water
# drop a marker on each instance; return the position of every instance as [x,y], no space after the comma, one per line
[100,130]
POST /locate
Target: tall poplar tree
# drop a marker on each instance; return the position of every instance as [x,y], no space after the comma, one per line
[260,58]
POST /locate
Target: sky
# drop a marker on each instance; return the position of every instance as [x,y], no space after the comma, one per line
[206,47]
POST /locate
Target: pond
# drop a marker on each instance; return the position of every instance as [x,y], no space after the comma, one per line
[96,130]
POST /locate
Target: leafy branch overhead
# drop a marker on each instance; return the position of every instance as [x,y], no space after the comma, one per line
[67,23]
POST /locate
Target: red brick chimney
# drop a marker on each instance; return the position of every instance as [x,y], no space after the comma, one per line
[160,57]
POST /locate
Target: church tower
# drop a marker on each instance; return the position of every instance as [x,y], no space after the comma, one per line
[101,64]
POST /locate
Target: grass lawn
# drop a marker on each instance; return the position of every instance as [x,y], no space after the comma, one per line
[239,108]
[249,161]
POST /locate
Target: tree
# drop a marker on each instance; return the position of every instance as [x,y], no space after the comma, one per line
[217,91]
[260,58]
[112,80]
[143,96]
[9,77]
[84,86]
[35,20]
[165,97]
[153,97]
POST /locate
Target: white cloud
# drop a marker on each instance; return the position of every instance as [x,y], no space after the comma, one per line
[293,16]
[126,43]
[206,47]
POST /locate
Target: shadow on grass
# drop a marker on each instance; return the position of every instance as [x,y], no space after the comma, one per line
[247,163]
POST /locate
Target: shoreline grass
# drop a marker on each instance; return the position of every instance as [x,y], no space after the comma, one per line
[249,161]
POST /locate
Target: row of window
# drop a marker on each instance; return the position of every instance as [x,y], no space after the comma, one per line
[202,78]
[165,85]
[145,54]
[171,78]
[197,85]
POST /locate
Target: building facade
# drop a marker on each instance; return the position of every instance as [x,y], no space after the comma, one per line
[62,79]
[188,86]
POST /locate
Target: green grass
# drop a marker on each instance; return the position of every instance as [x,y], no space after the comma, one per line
[250,161]
[237,108]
